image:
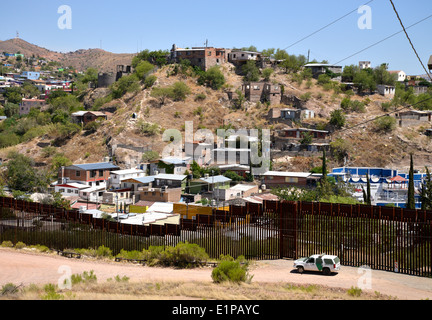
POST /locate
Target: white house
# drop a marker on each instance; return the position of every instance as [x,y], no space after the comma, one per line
[70,189]
[401,75]
[118,176]
[387,91]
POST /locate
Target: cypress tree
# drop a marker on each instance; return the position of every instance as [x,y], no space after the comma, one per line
[411,200]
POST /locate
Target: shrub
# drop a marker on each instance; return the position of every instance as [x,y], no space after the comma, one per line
[354,292]
[212,78]
[103,252]
[183,255]
[231,270]
[150,81]
[8,289]
[337,118]
[20,245]
[385,124]
[7,244]
[200,97]
[134,254]
[180,90]
[147,128]
[85,277]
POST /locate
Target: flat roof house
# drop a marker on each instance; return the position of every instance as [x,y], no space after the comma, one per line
[321,68]
[203,57]
[118,176]
[27,104]
[279,179]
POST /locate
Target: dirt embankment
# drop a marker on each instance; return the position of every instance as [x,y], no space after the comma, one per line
[25,267]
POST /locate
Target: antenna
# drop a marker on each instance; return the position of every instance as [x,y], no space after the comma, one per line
[206,43]
[17,35]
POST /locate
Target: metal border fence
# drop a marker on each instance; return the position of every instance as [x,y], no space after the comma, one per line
[381,238]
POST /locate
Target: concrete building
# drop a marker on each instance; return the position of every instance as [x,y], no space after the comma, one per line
[365,65]
[202,57]
[27,104]
[321,68]
[30,75]
[262,92]
[385,90]
[118,176]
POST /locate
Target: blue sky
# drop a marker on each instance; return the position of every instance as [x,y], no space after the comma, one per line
[130,25]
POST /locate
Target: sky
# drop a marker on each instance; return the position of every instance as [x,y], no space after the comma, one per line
[130,26]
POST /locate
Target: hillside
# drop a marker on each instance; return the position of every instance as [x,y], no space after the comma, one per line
[80,59]
[364,145]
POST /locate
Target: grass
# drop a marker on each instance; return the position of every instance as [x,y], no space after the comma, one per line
[121,289]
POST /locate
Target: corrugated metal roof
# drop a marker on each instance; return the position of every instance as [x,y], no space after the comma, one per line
[165,176]
[216,179]
[95,166]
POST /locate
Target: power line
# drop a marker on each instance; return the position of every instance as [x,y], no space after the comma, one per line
[385,115]
[325,27]
[376,43]
[409,39]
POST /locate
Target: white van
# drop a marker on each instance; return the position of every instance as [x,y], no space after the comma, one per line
[318,262]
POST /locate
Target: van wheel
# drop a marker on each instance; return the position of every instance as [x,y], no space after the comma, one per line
[326,271]
[300,269]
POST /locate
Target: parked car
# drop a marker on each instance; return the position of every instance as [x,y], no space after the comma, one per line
[318,262]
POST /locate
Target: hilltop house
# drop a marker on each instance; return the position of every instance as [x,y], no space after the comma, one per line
[289,115]
[202,57]
[430,63]
[322,68]
[386,90]
[401,75]
[262,92]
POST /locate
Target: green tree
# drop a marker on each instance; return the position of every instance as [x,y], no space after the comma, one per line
[337,118]
[90,75]
[411,195]
[143,69]
[267,73]
[250,71]
[426,192]
[180,91]
[124,85]
[212,78]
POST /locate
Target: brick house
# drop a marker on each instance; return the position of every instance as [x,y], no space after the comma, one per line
[203,57]
[262,92]
[91,174]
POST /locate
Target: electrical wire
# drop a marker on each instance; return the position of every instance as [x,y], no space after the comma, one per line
[391,36]
[385,115]
[409,39]
[325,27]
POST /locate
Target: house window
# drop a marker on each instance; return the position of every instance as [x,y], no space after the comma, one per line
[209,53]
[92,173]
[78,173]
[101,173]
[291,180]
[62,190]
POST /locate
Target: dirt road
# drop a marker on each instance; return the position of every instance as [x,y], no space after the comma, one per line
[25,267]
